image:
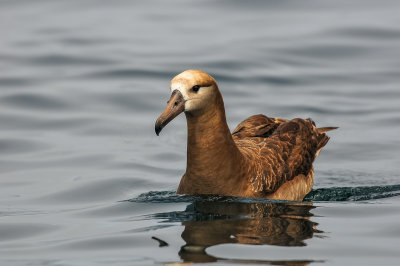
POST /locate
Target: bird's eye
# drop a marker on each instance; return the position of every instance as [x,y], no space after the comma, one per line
[196,88]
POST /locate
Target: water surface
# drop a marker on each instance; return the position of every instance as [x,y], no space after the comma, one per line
[85,181]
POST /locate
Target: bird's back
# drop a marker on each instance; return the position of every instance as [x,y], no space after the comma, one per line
[280,153]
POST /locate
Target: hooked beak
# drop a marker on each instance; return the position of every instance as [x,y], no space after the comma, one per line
[176,105]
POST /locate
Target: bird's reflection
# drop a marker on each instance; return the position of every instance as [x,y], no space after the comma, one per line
[209,223]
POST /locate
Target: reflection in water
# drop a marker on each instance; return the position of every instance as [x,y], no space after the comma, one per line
[210,223]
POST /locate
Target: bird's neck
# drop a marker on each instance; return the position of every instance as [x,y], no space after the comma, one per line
[212,155]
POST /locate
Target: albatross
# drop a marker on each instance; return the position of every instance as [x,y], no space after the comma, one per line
[263,157]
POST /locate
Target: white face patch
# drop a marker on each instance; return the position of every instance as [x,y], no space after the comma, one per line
[181,88]
[193,100]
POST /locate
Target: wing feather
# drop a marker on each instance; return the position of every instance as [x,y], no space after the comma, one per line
[257,126]
[286,148]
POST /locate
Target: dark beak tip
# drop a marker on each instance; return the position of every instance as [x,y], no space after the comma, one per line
[175,107]
[158,129]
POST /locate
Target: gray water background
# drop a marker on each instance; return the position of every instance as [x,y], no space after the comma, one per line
[82,82]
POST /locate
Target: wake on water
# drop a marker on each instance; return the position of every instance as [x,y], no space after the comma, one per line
[247,211]
[362,193]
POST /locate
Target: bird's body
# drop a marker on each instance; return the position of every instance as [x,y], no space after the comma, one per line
[263,157]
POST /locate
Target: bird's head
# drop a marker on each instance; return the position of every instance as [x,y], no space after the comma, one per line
[193,92]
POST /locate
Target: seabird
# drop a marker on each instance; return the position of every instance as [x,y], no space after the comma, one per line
[262,158]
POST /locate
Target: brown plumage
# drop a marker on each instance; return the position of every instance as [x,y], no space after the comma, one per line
[263,157]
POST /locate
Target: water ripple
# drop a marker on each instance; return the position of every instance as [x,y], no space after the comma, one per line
[60,60]
[130,73]
[34,101]
[328,51]
[14,146]
[96,191]
[23,230]
[39,123]
[353,193]
[370,33]
[17,81]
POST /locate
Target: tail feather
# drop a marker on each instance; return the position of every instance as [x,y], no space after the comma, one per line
[322,137]
[325,129]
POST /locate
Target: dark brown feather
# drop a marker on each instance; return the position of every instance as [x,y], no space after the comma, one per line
[257,126]
[287,148]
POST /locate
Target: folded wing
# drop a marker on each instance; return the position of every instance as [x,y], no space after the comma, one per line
[286,148]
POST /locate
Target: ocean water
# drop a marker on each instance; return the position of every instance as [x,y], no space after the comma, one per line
[84,180]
